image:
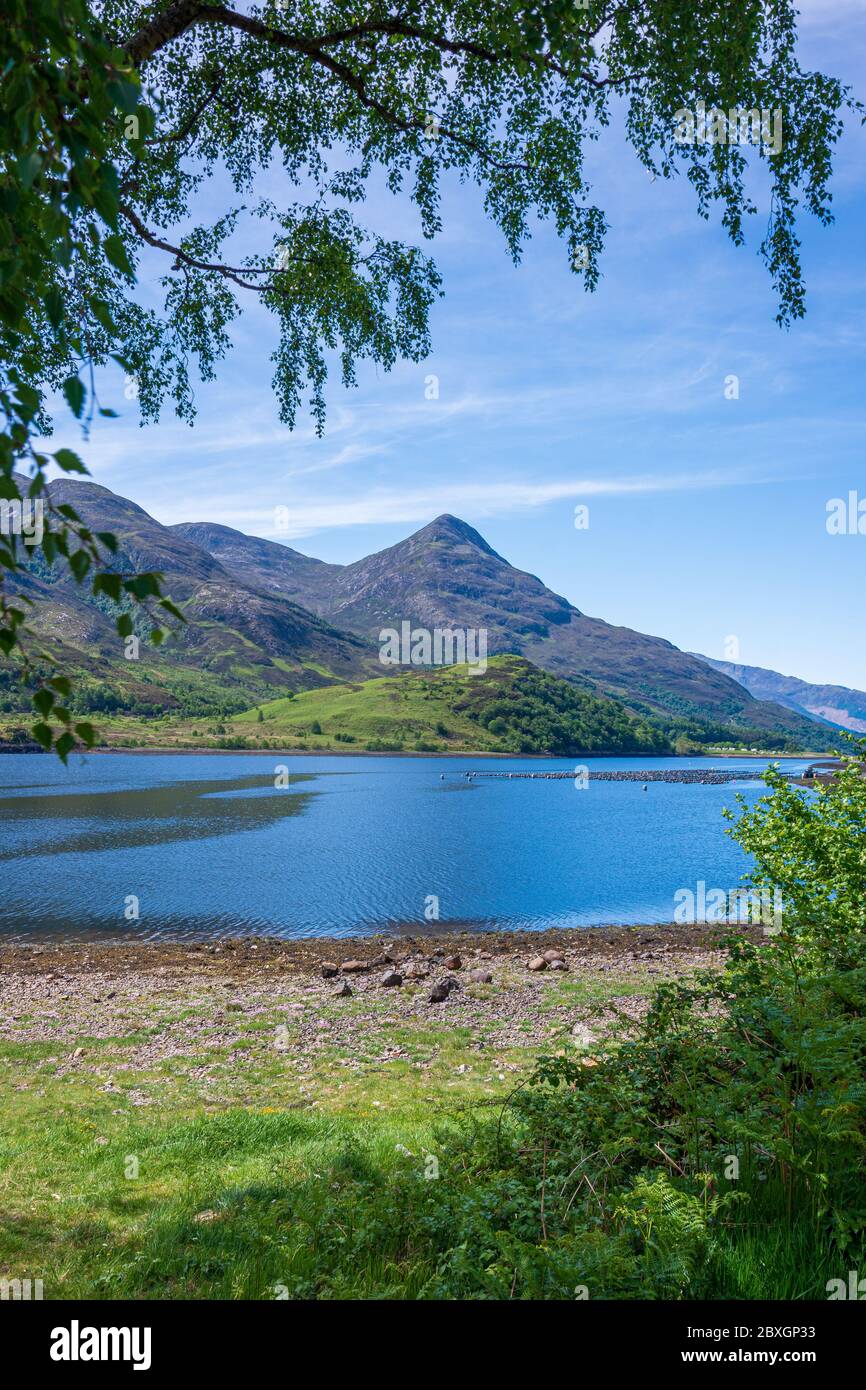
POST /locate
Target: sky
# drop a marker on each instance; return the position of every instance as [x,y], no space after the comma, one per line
[707,516]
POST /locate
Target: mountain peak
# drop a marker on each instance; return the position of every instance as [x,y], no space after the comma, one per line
[448,529]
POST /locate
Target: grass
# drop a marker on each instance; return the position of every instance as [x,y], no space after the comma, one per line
[389,713]
[216,1206]
[244,1172]
[510,707]
[394,710]
[232,1169]
[182,1153]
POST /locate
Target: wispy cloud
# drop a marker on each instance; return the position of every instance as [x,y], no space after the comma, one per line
[387,506]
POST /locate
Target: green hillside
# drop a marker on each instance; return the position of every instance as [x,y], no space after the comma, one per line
[512,708]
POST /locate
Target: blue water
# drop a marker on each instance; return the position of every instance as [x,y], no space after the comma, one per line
[209,845]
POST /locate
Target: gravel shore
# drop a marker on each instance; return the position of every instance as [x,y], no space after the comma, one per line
[198,994]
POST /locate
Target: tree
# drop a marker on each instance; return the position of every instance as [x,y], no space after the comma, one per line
[507,96]
[810,847]
[64,93]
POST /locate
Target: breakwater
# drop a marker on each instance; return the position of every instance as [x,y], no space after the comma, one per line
[703,776]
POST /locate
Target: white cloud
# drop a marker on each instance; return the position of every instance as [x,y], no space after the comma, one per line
[417,506]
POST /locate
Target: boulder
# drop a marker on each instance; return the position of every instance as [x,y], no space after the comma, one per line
[351,967]
[392,980]
[343,990]
[481,977]
[453,963]
[538,963]
[329,969]
[583,1036]
[441,990]
[416,970]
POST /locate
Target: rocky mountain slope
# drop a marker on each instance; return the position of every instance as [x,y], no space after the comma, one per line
[244,640]
[837,704]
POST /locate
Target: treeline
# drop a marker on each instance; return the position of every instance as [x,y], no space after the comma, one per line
[538,713]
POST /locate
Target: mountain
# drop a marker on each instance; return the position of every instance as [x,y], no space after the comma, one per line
[263,563]
[265,621]
[446,575]
[240,642]
[835,704]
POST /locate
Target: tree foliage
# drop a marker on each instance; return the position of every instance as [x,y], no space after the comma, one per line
[811,846]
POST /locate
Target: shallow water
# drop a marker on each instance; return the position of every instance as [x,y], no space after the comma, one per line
[208,845]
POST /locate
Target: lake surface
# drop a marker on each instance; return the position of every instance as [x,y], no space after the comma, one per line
[208,845]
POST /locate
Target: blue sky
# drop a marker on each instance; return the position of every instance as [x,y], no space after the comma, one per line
[706,515]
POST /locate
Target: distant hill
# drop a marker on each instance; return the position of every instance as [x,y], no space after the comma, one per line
[512,708]
[835,704]
[265,564]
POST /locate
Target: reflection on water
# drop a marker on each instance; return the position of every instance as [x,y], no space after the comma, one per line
[87,822]
[210,846]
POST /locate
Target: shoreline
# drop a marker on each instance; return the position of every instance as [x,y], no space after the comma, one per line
[221,1071]
[294,953]
[161,751]
[157,1001]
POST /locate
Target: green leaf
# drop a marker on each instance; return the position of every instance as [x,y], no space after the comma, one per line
[42,734]
[54,306]
[124,94]
[28,169]
[64,746]
[142,586]
[73,390]
[102,313]
[69,461]
[109,584]
[116,253]
[79,563]
[172,608]
[43,701]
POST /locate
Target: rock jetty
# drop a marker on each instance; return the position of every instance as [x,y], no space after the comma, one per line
[704,776]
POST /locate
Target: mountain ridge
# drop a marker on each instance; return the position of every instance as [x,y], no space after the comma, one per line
[264,620]
[446,574]
[841,706]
